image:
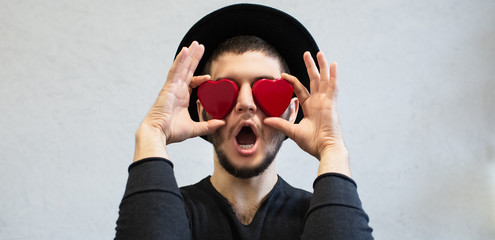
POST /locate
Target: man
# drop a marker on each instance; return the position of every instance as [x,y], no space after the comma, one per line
[244,198]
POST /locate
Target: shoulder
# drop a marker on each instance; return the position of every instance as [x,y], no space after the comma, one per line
[286,209]
[293,196]
[199,190]
[292,191]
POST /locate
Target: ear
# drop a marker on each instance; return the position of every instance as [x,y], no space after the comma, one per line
[293,109]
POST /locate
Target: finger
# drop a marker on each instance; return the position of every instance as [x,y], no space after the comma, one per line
[175,70]
[194,63]
[333,79]
[299,89]
[184,71]
[206,128]
[198,80]
[324,72]
[313,73]
[281,125]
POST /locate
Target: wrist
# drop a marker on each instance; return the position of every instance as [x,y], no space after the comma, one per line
[150,142]
[334,160]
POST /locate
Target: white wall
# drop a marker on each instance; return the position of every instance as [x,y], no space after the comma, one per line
[416,103]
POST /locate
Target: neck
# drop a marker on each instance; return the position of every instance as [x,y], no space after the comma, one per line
[244,195]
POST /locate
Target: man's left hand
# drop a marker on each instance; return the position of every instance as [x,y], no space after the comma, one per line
[319,132]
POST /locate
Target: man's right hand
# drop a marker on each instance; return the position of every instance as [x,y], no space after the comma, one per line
[169,121]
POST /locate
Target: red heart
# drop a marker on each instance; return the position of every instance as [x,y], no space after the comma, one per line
[272,96]
[218,97]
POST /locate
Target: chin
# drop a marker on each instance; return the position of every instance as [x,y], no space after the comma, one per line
[244,167]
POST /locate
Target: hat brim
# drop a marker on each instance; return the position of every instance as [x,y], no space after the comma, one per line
[282,31]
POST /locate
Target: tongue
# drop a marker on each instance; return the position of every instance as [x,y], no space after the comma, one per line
[246,136]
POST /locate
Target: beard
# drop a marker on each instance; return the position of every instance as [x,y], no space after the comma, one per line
[248,172]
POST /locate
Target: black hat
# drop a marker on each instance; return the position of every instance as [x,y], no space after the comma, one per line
[287,35]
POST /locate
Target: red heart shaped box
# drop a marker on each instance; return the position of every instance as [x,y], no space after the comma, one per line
[272,96]
[218,97]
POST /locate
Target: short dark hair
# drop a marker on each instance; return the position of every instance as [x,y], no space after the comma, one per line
[242,44]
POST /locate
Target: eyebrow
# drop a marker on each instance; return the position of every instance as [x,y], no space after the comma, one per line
[255,78]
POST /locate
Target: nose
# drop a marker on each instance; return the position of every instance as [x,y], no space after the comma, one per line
[245,100]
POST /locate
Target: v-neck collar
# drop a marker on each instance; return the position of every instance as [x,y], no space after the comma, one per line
[260,213]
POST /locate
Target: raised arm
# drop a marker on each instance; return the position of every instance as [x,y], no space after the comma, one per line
[152,206]
[335,211]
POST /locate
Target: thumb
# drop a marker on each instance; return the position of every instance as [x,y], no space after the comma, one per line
[205,128]
[281,124]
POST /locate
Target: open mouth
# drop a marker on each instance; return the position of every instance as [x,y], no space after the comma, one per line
[246,138]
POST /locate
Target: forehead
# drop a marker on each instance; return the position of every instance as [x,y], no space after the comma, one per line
[248,65]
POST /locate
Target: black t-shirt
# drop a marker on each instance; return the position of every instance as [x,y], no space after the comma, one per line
[154,207]
[280,216]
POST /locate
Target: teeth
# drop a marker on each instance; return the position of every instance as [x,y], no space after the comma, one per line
[248,146]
